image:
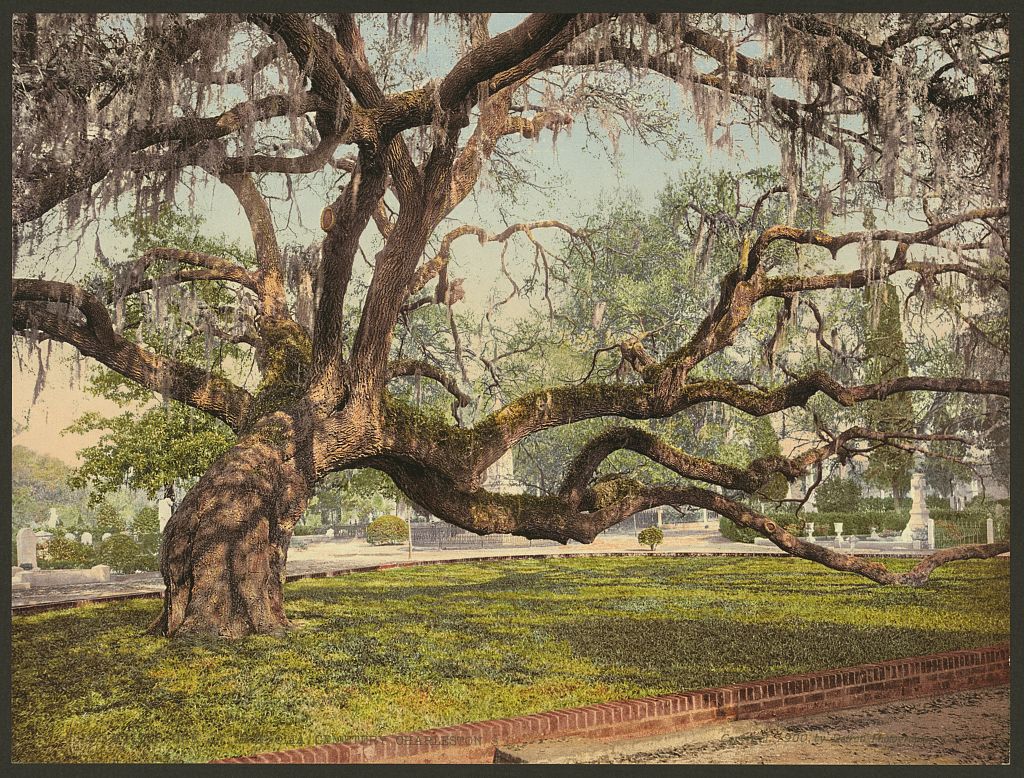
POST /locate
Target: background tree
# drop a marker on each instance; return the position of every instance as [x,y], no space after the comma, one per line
[146,521]
[886,355]
[905,110]
[109,519]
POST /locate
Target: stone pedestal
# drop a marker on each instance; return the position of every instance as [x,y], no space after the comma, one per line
[810,532]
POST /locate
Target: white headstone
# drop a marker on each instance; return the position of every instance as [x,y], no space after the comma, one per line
[26,541]
[164,511]
[105,536]
[931,533]
[52,521]
[330,532]
[87,538]
[70,536]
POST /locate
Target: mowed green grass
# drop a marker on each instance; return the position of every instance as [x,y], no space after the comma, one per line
[408,649]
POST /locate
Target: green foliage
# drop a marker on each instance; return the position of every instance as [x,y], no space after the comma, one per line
[146,521]
[308,529]
[38,483]
[886,354]
[124,555]
[835,494]
[150,542]
[855,522]
[432,646]
[387,531]
[109,519]
[61,553]
[148,449]
[151,447]
[651,537]
[352,494]
[734,533]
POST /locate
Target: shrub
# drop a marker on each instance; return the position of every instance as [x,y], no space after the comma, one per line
[308,529]
[652,536]
[123,555]
[856,522]
[150,542]
[387,531]
[61,553]
[836,494]
[874,504]
[146,563]
[734,533]
[108,519]
[146,521]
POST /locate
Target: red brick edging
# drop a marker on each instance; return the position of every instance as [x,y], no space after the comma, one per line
[29,608]
[788,696]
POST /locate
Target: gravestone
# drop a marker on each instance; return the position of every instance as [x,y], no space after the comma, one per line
[87,538]
[26,541]
[70,536]
[330,532]
[105,536]
[917,527]
[164,511]
[810,532]
[52,521]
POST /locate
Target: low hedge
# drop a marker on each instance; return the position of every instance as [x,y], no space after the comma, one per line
[954,523]
[124,555]
[61,553]
[307,529]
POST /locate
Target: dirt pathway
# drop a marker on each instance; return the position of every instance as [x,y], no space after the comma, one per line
[970,727]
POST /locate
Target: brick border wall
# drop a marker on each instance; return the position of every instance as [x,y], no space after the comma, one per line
[787,696]
[30,608]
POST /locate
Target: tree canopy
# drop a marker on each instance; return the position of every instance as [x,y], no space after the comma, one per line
[736,303]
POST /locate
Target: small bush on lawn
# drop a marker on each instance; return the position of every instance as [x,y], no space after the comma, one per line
[124,555]
[387,531]
[651,537]
[61,553]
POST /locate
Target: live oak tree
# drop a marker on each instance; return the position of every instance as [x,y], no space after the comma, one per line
[906,112]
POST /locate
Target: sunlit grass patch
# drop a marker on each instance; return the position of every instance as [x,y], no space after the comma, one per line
[413,648]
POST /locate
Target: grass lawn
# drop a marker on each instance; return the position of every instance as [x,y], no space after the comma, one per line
[408,649]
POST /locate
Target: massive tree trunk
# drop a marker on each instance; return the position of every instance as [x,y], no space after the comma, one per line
[225,547]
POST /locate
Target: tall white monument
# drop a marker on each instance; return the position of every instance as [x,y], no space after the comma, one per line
[163,509]
[917,527]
